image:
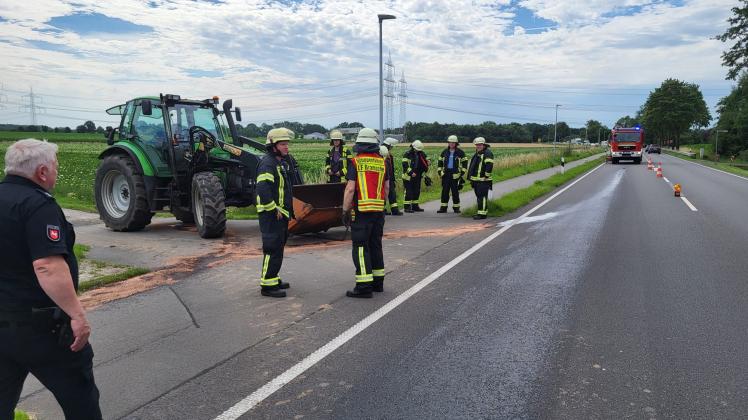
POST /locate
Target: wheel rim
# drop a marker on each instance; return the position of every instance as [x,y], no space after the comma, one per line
[197,204]
[116,194]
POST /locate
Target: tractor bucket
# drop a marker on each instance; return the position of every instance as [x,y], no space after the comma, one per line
[316,207]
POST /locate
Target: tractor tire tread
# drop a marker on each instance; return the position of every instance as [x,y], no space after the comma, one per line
[213,224]
[139,215]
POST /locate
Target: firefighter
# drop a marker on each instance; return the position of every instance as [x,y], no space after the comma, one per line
[389,143]
[479,174]
[415,165]
[336,164]
[274,209]
[365,192]
[452,167]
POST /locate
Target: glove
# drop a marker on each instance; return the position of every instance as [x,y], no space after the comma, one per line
[427,181]
[346,219]
[460,184]
[440,173]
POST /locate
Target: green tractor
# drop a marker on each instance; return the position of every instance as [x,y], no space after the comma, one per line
[184,155]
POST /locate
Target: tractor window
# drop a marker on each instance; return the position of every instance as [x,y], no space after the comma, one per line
[150,132]
[184,117]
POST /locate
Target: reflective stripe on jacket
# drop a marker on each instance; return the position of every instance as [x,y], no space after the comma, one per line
[370,176]
[274,186]
[481,166]
[460,163]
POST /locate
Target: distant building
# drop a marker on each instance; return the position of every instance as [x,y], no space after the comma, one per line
[315,136]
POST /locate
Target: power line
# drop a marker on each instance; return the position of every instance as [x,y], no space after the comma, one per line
[489,114]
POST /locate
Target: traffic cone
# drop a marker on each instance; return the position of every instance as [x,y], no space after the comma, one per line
[659,172]
[650,166]
[676,190]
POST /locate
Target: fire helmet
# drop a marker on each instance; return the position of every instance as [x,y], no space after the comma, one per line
[367,135]
[384,151]
[479,140]
[278,135]
[417,145]
[452,139]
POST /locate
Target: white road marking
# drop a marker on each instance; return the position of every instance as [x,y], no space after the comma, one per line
[243,406]
[713,169]
[666,180]
[688,203]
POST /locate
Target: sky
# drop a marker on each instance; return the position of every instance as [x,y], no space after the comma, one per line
[317,61]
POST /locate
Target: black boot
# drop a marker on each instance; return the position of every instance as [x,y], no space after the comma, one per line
[442,209]
[408,208]
[362,290]
[456,209]
[378,284]
[479,217]
[283,285]
[272,291]
[416,207]
[396,212]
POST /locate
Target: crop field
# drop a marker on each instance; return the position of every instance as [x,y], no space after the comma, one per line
[79,160]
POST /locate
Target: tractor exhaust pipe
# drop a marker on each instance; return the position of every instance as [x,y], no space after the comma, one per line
[227,104]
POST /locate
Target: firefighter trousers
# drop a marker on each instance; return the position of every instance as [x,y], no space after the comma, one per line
[274,236]
[334,179]
[392,196]
[450,185]
[481,189]
[412,191]
[366,232]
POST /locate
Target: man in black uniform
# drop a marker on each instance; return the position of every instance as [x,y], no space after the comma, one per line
[274,209]
[479,173]
[452,166]
[43,327]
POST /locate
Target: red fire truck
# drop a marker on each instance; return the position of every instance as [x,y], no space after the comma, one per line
[626,144]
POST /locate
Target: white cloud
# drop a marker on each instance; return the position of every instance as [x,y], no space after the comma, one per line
[263,49]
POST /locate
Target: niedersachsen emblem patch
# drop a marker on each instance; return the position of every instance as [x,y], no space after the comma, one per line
[53,233]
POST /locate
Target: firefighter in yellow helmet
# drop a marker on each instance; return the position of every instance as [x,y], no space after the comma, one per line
[389,143]
[479,174]
[336,164]
[452,166]
[274,209]
[365,192]
[415,166]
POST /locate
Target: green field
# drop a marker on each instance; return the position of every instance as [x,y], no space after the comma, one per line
[78,159]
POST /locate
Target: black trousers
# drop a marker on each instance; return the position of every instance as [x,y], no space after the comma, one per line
[412,190]
[392,196]
[67,375]
[450,185]
[481,189]
[274,237]
[333,179]
[366,233]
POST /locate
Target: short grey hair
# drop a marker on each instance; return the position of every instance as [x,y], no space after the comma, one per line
[24,156]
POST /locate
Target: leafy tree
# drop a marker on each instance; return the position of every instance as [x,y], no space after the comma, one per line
[627,121]
[733,117]
[736,58]
[673,108]
[594,131]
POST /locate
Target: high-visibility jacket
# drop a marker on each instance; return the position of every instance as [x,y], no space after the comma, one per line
[481,166]
[371,175]
[274,186]
[342,164]
[414,161]
[460,163]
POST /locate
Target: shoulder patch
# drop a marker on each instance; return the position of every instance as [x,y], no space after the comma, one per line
[53,233]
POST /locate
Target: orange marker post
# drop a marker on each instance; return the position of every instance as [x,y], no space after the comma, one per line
[676,190]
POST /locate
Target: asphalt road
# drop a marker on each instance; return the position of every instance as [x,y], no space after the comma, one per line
[620,302]
[613,300]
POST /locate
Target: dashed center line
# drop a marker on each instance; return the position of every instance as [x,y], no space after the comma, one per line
[688,203]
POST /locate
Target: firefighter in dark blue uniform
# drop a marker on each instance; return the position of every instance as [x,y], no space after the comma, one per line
[415,166]
[43,327]
[479,174]
[274,209]
[364,198]
[452,167]
[336,163]
[389,143]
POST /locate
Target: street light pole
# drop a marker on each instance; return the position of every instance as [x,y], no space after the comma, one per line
[381,83]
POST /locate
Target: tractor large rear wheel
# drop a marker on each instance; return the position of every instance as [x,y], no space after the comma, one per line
[208,205]
[120,194]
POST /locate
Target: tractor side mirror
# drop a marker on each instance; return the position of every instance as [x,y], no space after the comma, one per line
[109,135]
[147,107]
[238,112]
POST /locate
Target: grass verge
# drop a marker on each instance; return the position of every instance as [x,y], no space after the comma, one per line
[520,198]
[716,165]
[121,272]
[21,415]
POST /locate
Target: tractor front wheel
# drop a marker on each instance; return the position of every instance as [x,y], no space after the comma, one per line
[120,195]
[208,205]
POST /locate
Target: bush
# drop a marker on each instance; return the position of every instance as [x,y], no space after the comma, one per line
[743,155]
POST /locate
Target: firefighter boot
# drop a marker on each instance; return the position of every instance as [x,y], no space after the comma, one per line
[416,207]
[362,290]
[456,209]
[272,291]
[408,208]
[442,209]
[479,217]
[378,284]
[396,212]
[283,285]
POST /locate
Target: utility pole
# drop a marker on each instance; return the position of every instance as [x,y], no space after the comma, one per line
[32,105]
[403,98]
[389,94]
[381,80]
